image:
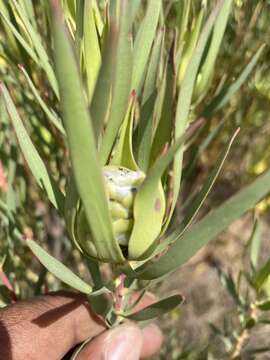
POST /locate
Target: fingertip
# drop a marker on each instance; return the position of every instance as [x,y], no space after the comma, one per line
[123,342]
[152,340]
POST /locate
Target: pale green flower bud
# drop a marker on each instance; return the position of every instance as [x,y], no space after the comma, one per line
[121,186]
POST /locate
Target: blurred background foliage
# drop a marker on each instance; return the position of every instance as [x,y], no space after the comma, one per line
[24,213]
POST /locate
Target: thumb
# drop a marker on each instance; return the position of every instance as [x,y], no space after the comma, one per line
[123,342]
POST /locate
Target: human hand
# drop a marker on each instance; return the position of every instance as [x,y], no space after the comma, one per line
[47,327]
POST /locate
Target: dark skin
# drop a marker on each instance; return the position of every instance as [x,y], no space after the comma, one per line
[48,327]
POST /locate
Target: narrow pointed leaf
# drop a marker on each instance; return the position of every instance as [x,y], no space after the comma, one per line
[121,82]
[92,53]
[262,275]
[20,38]
[58,269]
[157,309]
[30,11]
[183,11]
[143,42]
[208,228]
[191,43]
[187,171]
[81,140]
[43,59]
[163,132]
[184,99]
[208,67]
[149,205]
[80,11]
[123,155]
[200,198]
[49,113]
[264,307]
[254,243]
[135,7]
[71,208]
[31,155]
[228,91]
[101,99]
[153,67]
[145,130]
[10,38]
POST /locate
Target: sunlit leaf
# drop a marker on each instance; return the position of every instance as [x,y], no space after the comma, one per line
[227,92]
[207,186]
[31,155]
[143,42]
[149,205]
[208,228]
[184,99]
[121,82]
[207,70]
[49,113]
[43,59]
[92,55]
[58,269]
[262,275]
[157,309]
[123,154]
[254,243]
[81,140]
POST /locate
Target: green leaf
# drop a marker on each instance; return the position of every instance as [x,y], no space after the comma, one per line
[134,9]
[144,131]
[262,276]
[207,70]
[80,12]
[183,11]
[153,67]
[163,132]
[265,306]
[208,228]
[58,269]
[190,41]
[20,38]
[121,81]
[34,161]
[201,196]
[80,136]
[92,55]
[43,59]
[254,243]
[143,43]
[146,123]
[184,100]
[101,302]
[149,205]
[157,309]
[94,270]
[30,11]
[49,113]
[71,209]
[101,100]
[212,134]
[10,39]
[123,154]
[228,91]
[229,284]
